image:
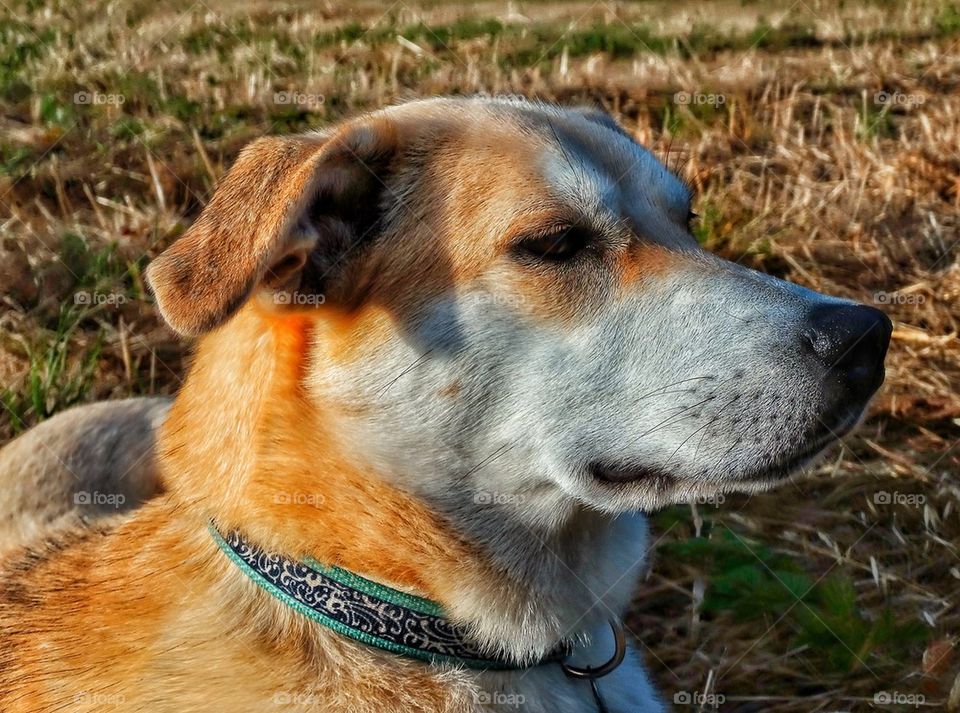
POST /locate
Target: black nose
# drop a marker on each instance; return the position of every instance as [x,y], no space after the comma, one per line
[852,341]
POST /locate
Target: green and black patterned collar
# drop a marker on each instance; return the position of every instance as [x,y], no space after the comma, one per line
[363,610]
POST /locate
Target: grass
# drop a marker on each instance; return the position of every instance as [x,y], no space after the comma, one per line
[821,596]
[824,614]
[56,379]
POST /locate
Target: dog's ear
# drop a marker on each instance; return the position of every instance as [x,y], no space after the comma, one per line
[285,202]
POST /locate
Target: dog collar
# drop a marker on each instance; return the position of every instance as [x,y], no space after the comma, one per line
[366,611]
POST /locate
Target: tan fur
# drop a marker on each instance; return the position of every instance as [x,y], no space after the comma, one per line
[88,462]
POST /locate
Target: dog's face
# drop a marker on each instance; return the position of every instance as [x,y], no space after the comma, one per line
[509,310]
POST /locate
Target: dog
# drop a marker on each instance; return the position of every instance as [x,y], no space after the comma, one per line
[449,352]
[89,462]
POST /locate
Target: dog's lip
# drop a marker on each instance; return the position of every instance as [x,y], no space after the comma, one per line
[792,462]
[618,473]
[789,465]
[625,473]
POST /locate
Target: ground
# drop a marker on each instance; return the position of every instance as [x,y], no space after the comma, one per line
[822,142]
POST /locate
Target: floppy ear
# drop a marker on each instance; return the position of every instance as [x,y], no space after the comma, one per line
[285,201]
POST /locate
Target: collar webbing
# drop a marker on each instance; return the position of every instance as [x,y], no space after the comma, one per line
[369,612]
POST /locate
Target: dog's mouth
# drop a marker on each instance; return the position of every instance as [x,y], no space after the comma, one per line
[779,469]
[626,473]
[791,463]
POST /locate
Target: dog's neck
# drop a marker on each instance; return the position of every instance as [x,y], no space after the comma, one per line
[245,446]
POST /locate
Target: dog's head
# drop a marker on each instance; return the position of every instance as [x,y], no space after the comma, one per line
[507,306]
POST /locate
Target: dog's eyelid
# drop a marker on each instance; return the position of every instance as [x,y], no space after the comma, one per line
[547,231]
[555,245]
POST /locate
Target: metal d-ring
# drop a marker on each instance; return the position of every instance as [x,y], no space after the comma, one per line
[602,670]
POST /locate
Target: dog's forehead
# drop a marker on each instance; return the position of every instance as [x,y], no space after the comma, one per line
[579,158]
[594,142]
[595,167]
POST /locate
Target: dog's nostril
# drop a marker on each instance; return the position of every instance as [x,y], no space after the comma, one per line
[851,341]
[813,340]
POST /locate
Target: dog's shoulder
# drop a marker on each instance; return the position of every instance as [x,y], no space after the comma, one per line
[42,557]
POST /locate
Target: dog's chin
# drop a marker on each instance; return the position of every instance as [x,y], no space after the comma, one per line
[615,474]
[676,486]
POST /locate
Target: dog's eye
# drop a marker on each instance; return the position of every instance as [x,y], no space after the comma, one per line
[557,246]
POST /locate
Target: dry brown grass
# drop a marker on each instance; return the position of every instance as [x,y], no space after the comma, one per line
[802,172]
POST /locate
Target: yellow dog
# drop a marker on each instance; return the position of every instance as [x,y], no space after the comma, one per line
[449,352]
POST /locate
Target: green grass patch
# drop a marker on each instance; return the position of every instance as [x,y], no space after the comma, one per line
[875,120]
[15,161]
[752,581]
[778,39]
[221,39]
[61,372]
[57,111]
[354,32]
[707,227]
[440,37]
[101,269]
[20,44]
[948,21]
[58,377]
